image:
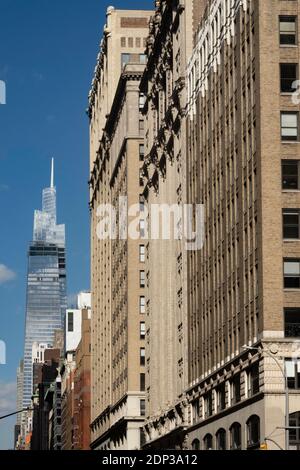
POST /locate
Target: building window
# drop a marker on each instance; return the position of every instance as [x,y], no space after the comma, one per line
[289,126]
[292,370]
[290,174]
[294,434]
[125,59]
[291,268]
[142,278]
[142,152]
[142,304]
[235,436]
[70,322]
[142,382]
[196,444]
[253,432]
[142,202]
[221,397]
[141,125]
[208,442]
[288,75]
[291,223]
[292,322]
[208,404]
[235,387]
[130,42]
[142,356]
[143,58]
[142,101]
[142,228]
[142,407]
[142,330]
[287,28]
[253,380]
[221,439]
[196,411]
[123,42]
[142,253]
[141,180]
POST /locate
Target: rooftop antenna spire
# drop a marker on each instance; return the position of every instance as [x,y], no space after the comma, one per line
[52,173]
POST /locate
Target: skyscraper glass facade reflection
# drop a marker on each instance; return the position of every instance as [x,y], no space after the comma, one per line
[46,282]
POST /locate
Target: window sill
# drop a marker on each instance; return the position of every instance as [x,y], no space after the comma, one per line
[291,240]
[292,289]
[290,141]
[285,46]
[291,191]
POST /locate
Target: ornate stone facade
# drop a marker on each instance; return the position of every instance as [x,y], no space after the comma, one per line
[168,49]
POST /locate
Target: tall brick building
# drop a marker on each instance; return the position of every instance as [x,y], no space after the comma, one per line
[221,363]
[82,386]
[243,159]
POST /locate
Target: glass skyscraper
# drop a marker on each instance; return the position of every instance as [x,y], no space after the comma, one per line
[46,282]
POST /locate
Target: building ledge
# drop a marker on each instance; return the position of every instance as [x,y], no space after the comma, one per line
[179,430]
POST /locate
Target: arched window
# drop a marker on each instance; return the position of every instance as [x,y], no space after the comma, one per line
[294,434]
[253,432]
[235,436]
[196,444]
[208,442]
[221,439]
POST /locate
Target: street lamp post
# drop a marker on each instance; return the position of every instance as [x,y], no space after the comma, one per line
[286,389]
[15,413]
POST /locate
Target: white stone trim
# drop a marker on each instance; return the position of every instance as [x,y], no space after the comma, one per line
[217,27]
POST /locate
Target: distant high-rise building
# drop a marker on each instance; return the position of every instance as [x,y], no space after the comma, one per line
[20,372]
[46,282]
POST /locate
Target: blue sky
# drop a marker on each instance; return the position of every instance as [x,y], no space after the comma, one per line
[48,51]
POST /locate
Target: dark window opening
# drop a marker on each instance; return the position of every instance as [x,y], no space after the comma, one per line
[236,389]
[196,444]
[290,172]
[294,434]
[208,405]
[253,379]
[70,322]
[253,432]
[221,397]
[142,382]
[236,436]
[292,322]
[221,439]
[288,76]
[208,442]
[291,223]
